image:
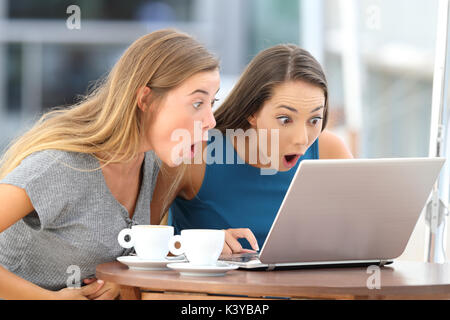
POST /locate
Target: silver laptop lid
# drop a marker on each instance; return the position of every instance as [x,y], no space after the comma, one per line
[358,209]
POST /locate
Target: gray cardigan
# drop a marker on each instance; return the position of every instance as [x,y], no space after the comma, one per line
[76,220]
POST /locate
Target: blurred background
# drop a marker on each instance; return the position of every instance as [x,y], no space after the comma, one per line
[378,56]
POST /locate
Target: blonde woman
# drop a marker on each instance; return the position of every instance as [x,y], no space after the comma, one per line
[82,174]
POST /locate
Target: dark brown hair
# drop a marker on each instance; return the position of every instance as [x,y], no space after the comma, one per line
[271,67]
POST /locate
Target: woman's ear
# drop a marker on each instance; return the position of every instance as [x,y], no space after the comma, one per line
[143,95]
[252,120]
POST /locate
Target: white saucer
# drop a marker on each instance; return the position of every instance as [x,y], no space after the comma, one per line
[136,263]
[187,269]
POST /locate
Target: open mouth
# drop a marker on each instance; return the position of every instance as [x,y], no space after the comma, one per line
[290,160]
[192,150]
[195,147]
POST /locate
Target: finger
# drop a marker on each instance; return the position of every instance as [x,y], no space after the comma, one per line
[89,280]
[108,295]
[248,251]
[247,234]
[92,288]
[226,250]
[109,289]
[234,245]
[98,294]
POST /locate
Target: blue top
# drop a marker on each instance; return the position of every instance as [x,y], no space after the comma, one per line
[235,196]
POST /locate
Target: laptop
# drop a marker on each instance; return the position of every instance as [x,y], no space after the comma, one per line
[344,213]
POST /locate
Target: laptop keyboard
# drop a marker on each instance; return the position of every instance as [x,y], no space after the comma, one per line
[240,257]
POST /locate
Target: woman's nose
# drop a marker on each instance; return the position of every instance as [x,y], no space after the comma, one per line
[209,121]
[301,138]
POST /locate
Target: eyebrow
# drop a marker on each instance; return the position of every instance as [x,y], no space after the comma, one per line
[202,91]
[295,110]
[199,91]
[317,109]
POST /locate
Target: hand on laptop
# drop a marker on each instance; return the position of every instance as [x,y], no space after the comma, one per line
[232,245]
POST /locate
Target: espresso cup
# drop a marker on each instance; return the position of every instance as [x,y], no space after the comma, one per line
[149,241]
[200,246]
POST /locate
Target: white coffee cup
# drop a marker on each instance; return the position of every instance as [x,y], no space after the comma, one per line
[200,246]
[149,241]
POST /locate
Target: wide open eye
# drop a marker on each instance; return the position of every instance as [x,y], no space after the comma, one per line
[284,120]
[315,121]
[214,101]
[197,105]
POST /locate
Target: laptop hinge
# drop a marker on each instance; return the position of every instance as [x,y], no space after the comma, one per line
[271,267]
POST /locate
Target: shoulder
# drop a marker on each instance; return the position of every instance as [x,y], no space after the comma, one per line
[38,163]
[44,157]
[331,146]
[50,167]
[59,158]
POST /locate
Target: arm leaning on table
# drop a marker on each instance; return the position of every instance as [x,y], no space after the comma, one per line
[15,205]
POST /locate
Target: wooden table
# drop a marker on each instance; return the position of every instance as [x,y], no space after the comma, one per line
[400,280]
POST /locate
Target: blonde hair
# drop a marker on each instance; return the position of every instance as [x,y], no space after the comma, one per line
[108,121]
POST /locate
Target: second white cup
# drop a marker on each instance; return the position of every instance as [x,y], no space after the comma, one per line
[149,241]
[200,246]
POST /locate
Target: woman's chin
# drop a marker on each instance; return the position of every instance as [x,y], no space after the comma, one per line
[170,160]
[171,164]
[175,162]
